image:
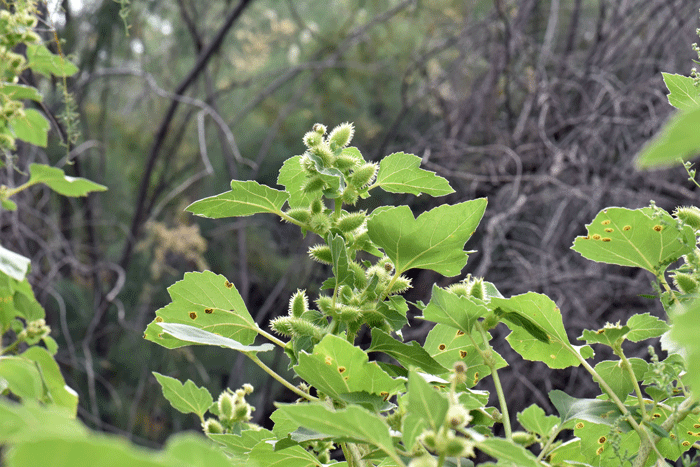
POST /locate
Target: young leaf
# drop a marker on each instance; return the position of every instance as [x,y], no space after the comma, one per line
[343,275]
[187,397]
[683,94]
[534,420]
[460,312]
[400,173]
[31,126]
[292,177]
[645,326]
[41,60]
[678,139]
[426,402]
[394,311]
[352,423]
[61,183]
[448,345]
[644,238]
[413,355]
[618,378]
[244,199]
[544,313]
[435,240]
[607,335]
[207,301]
[196,335]
[591,410]
[14,265]
[336,367]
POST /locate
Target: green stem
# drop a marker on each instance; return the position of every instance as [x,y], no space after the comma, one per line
[683,410]
[549,442]
[281,380]
[626,364]
[13,191]
[662,280]
[270,337]
[489,361]
[441,460]
[11,347]
[338,207]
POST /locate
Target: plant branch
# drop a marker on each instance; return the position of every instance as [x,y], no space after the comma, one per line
[281,380]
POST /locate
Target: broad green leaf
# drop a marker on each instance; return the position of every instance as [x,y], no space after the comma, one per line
[22,377]
[590,410]
[400,173]
[244,199]
[283,424]
[196,335]
[678,139]
[61,183]
[372,402]
[57,392]
[193,450]
[618,378]
[265,455]
[435,240]
[645,326]
[245,442]
[683,94]
[336,367]
[568,452]
[29,420]
[353,423]
[339,253]
[507,451]
[448,345]
[685,332]
[187,397]
[644,238]
[20,92]
[409,355]
[412,427]
[31,126]
[14,265]
[17,301]
[41,60]
[534,420]
[394,311]
[426,401]
[607,335]
[459,312]
[292,177]
[207,301]
[541,310]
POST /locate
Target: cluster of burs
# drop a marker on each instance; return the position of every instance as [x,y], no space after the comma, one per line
[333,171]
[687,277]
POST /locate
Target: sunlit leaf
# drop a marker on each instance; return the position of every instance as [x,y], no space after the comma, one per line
[400,173]
[618,378]
[534,420]
[409,355]
[591,410]
[426,402]
[61,183]
[685,332]
[41,60]
[645,326]
[678,139]
[293,178]
[683,94]
[507,451]
[13,264]
[187,397]
[244,199]
[57,391]
[20,92]
[645,238]
[459,312]
[31,126]
[435,240]
[195,335]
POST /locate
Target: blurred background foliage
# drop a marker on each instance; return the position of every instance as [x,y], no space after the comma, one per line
[539,105]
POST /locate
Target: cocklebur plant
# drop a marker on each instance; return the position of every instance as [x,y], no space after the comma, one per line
[423,408]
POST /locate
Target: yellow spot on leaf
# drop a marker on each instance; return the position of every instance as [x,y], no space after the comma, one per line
[579,425]
[228,284]
[442,347]
[462,353]
[341,369]
[329,360]
[193,314]
[602,440]
[600,450]
[595,237]
[627,227]
[608,230]
[606,222]
[159,319]
[208,311]
[606,239]
[658,228]
[460,333]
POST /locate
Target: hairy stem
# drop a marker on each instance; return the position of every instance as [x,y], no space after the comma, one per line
[281,380]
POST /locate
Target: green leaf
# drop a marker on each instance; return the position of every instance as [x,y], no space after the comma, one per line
[22,377]
[339,253]
[448,345]
[41,60]
[542,311]
[20,92]
[591,410]
[683,94]
[293,178]
[207,301]
[195,335]
[645,326]
[265,455]
[412,427]
[426,402]
[242,444]
[459,312]
[678,139]
[244,199]
[618,378]
[353,423]
[336,367]
[645,238]
[394,311]
[435,240]
[507,451]
[31,126]
[607,335]
[685,332]
[409,355]
[14,265]
[534,420]
[8,205]
[186,398]
[61,183]
[400,173]
[57,392]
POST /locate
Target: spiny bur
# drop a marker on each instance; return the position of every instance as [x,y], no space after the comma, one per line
[298,304]
[341,135]
[299,214]
[685,283]
[321,254]
[312,138]
[212,427]
[690,215]
[363,175]
[351,221]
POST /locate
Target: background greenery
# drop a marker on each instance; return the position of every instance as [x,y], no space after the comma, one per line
[539,105]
